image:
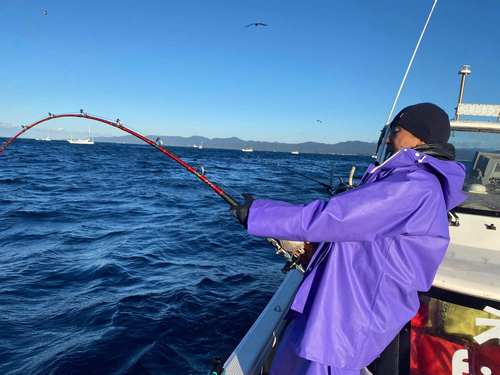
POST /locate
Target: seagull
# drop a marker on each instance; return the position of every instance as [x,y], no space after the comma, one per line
[45,12]
[318,121]
[256,24]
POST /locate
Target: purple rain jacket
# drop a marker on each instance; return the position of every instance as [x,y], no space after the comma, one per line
[382,243]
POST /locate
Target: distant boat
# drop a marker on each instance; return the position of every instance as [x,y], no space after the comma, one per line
[295,152]
[247,149]
[374,156]
[44,139]
[83,141]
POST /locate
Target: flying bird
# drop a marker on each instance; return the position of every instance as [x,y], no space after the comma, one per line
[45,12]
[318,121]
[256,24]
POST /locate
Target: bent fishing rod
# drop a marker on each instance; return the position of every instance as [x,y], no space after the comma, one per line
[158,144]
[292,260]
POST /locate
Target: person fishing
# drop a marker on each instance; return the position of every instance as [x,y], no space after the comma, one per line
[378,245]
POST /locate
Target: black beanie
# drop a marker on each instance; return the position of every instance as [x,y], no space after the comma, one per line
[425,121]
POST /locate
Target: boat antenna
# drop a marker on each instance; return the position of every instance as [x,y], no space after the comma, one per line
[409,66]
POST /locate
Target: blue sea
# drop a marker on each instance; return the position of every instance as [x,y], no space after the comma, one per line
[114,259]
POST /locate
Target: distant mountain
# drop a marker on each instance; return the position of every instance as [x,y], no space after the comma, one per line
[468,154]
[233,143]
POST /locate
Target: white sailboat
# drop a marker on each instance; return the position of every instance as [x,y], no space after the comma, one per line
[247,149]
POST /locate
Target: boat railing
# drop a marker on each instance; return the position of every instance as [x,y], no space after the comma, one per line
[475,126]
[254,350]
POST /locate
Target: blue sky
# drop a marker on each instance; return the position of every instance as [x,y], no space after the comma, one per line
[191,67]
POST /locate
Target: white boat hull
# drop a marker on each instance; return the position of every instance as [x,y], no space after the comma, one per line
[81,141]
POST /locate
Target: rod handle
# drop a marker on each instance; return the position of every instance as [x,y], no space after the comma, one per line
[229,199]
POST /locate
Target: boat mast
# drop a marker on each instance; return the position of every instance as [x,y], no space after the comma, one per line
[463,72]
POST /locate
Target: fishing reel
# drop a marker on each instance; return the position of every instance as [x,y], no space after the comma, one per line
[287,249]
[342,186]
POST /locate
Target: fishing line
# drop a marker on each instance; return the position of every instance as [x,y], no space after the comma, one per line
[292,171]
[234,191]
[328,187]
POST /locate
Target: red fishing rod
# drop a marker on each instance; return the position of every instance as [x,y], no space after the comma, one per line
[281,248]
[157,144]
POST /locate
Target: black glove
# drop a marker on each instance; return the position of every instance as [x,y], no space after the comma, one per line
[241,212]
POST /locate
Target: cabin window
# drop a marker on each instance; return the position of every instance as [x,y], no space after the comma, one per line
[480,153]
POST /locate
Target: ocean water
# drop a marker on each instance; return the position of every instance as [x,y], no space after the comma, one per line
[116,260]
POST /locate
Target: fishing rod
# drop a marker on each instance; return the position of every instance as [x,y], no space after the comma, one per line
[158,144]
[292,260]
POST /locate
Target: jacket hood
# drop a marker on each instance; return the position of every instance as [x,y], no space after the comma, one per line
[451,174]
